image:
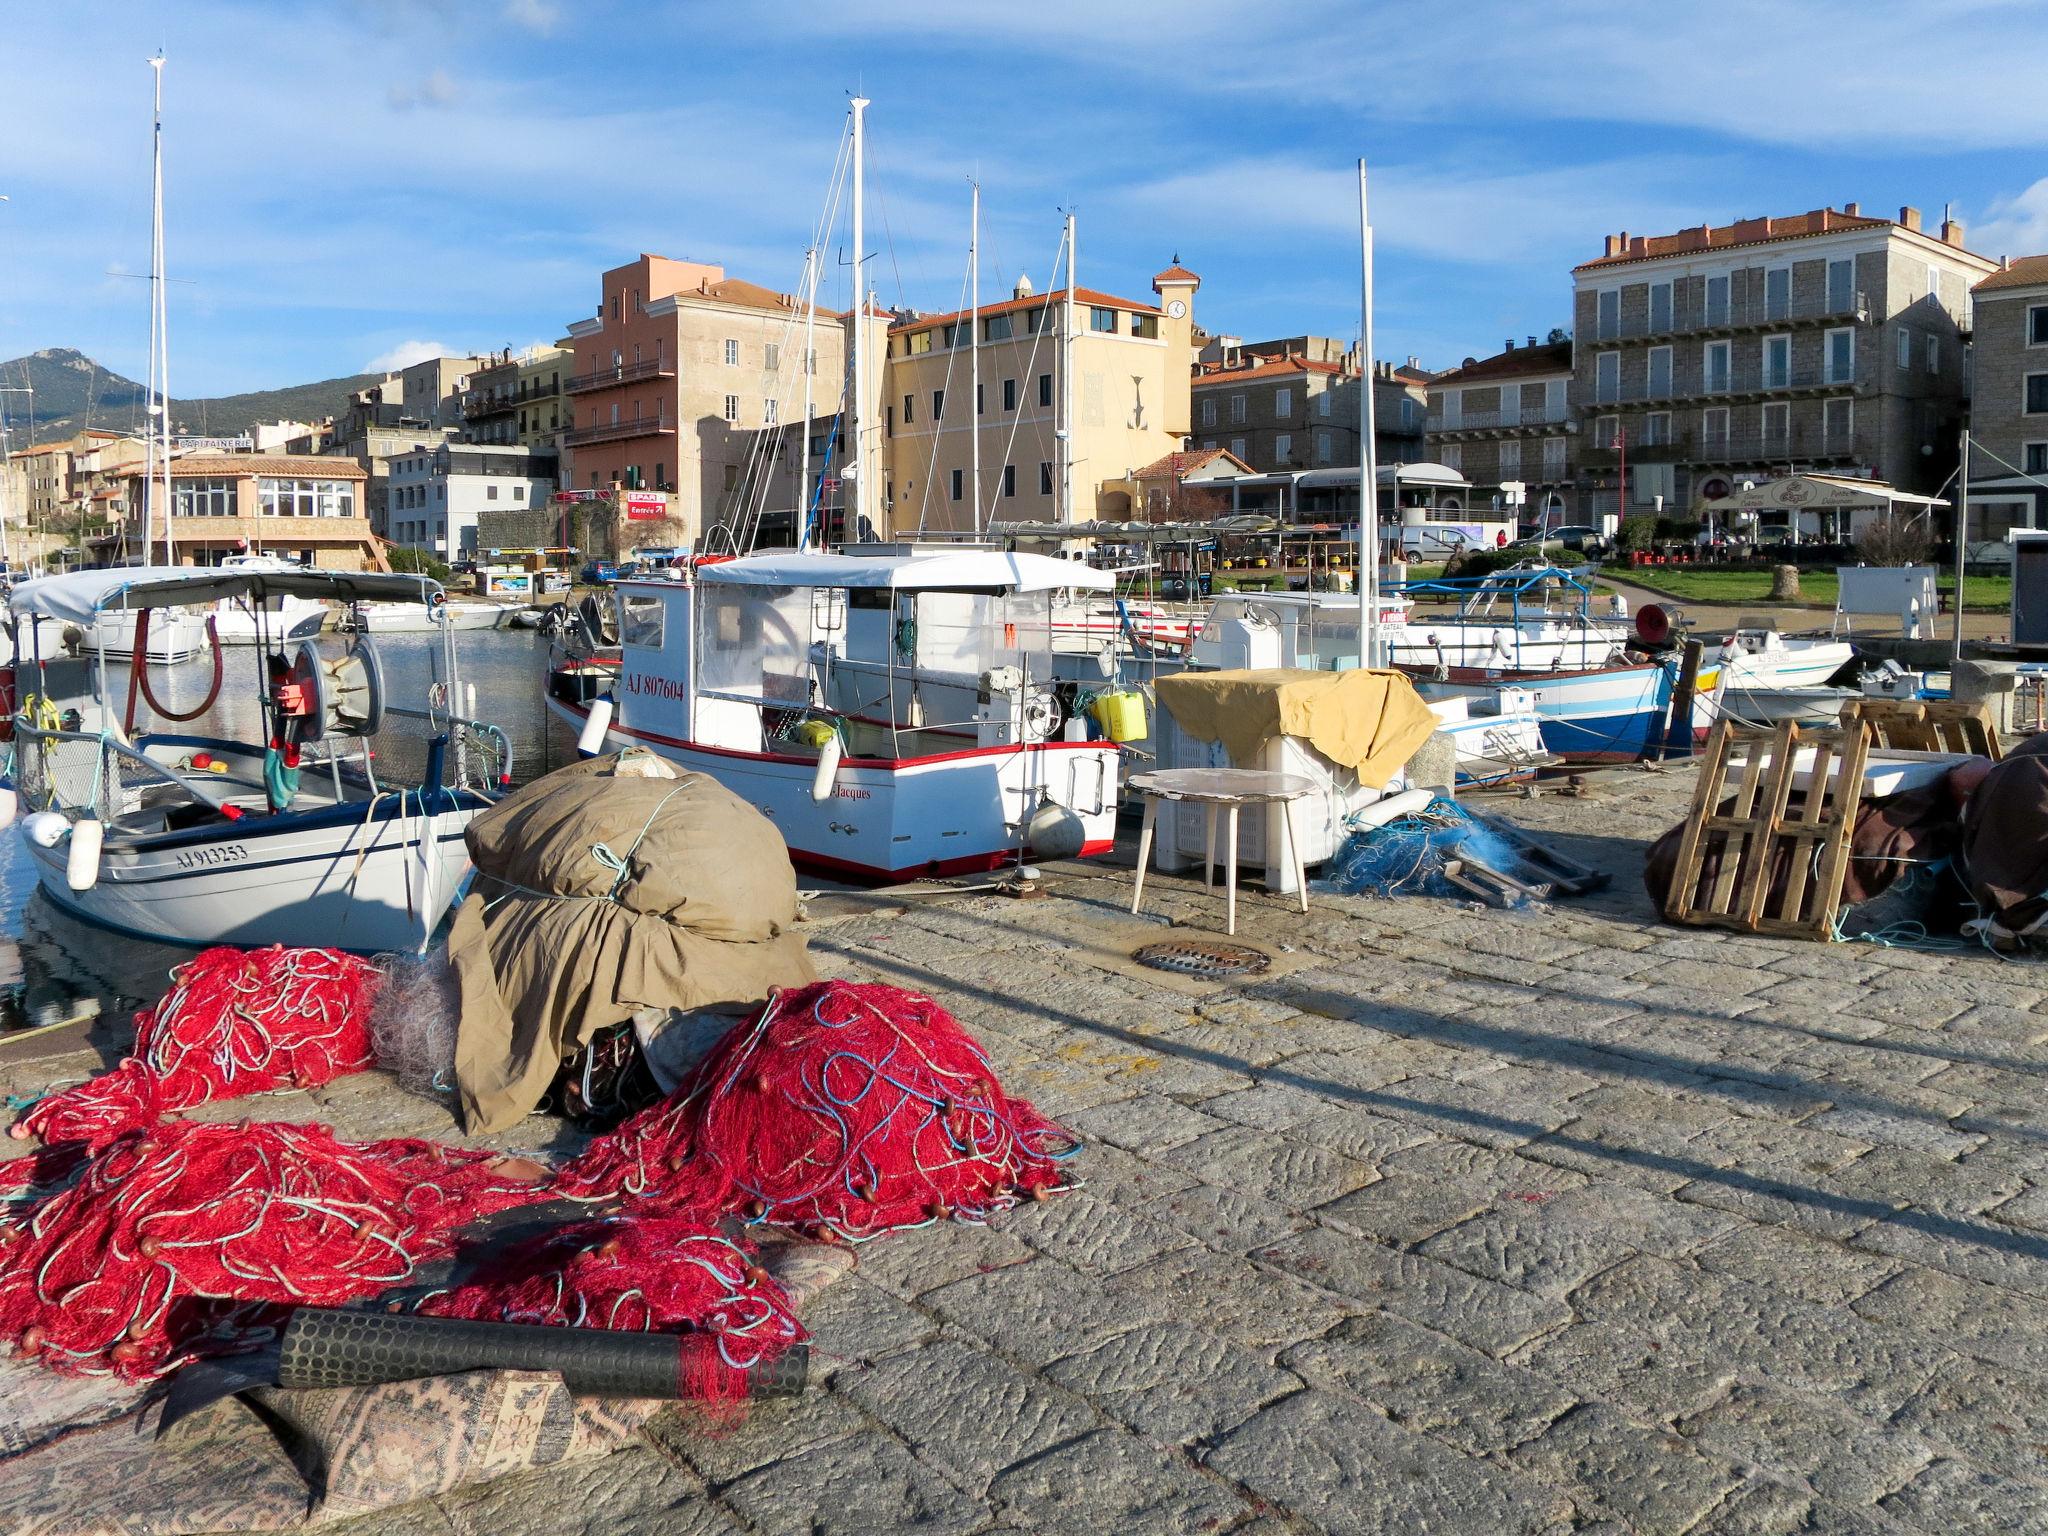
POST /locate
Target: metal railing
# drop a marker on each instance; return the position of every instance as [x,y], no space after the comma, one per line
[1748,377]
[1700,447]
[1748,312]
[615,431]
[1476,421]
[620,373]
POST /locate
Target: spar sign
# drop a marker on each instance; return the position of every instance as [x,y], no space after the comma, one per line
[644,506]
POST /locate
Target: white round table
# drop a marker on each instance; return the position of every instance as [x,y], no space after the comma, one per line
[1228,790]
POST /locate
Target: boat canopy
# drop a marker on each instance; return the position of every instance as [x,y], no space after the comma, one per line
[82,595]
[975,570]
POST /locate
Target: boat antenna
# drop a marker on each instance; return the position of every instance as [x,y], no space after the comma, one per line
[1368,474]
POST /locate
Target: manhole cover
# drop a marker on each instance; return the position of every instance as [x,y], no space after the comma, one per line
[1194,957]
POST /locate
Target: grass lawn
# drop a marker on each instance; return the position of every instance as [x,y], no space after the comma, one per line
[1817,589]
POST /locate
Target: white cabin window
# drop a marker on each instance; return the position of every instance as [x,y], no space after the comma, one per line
[640,621]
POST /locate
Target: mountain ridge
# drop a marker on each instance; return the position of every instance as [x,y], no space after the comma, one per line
[72,392]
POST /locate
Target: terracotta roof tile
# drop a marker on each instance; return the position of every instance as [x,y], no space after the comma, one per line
[1175,274]
[1714,237]
[1263,368]
[2024,272]
[1053,297]
[1177,465]
[1519,362]
[307,466]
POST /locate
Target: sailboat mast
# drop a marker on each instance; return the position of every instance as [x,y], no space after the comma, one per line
[159,341]
[803,493]
[974,351]
[1368,476]
[857,415]
[1063,429]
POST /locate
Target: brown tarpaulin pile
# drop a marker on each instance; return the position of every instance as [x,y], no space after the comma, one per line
[601,892]
[1368,721]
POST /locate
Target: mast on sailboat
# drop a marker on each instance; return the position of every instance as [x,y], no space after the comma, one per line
[1369,650]
[803,496]
[857,467]
[1063,429]
[974,351]
[156,501]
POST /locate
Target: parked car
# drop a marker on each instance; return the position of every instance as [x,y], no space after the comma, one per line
[598,573]
[1579,538]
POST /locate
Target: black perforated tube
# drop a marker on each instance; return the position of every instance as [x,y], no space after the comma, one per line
[323,1347]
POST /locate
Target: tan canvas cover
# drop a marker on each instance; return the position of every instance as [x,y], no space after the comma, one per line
[1368,721]
[599,894]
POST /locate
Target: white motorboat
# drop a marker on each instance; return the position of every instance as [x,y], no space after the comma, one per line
[403,618]
[895,712]
[274,621]
[1498,736]
[1759,677]
[302,837]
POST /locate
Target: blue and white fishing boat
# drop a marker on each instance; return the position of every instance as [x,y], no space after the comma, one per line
[341,825]
[1609,714]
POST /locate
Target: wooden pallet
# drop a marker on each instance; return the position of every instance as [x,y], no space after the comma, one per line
[1760,823]
[1927,725]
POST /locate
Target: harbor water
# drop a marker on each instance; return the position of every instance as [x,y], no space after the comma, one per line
[54,968]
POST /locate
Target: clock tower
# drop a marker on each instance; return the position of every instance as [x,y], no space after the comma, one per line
[1176,289]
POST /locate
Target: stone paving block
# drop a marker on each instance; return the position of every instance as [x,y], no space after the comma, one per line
[1935,1137]
[2029,1208]
[1673,1110]
[1334,1463]
[855,1320]
[1042,1311]
[907,1264]
[1144,1123]
[1223,1219]
[770,1432]
[1655,1379]
[1532,1247]
[1358,1133]
[1113,1483]
[1431,1384]
[1269,1104]
[1447,1108]
[588,1498]
[1637,1152]
[1292,1173]
[416,1519]
[1972,1247]
[1844,1459]
[1649,1477]
[1766,1508]
[1492,1317]
[1241,1301]
[1175,1382]
[1927,1182]
[1403,1209]
[963,1410]
[1113,1174]
[857,1486]
[1247,1047]
[1954,1496]
[1996,1415]
[1092,1235]
[1805,1268]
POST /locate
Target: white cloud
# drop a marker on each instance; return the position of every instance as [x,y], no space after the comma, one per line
[438,89]
[534,15]
[2014,226]
[406,353]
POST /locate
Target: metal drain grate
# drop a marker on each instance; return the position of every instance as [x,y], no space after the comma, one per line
[1196,957]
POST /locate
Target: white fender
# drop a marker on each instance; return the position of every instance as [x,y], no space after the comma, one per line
[82,864]
[590,741]
[828,767]
[10,806]
[45,829]
[1380,812]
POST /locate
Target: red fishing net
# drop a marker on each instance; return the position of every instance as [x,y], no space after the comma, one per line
[235,1021]
[845,1110]
[645,1274]
[194,1239]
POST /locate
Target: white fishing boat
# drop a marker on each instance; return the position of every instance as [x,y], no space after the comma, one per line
[303,836]
[893,711]
[1759,677]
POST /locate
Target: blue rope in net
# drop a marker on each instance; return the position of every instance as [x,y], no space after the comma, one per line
[1407,856]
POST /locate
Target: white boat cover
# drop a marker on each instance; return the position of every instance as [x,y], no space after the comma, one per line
[968,569]
[78,597]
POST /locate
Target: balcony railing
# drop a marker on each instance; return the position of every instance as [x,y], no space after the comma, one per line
[1749,377]
[616,431]
[620,373]
[1802,443]
[479,403]
[1750,312]
[1487,421]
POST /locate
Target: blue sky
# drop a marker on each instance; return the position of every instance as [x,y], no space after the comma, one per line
[351,183]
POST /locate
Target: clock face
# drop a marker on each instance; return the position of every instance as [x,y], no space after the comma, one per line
[1177,308]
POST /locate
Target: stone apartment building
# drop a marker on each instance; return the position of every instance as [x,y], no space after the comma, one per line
[519,399]
[2009,403]
[1828,341]
[1292,404]
[1128,365]
[438,493]
[1507,419]
[674,376]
